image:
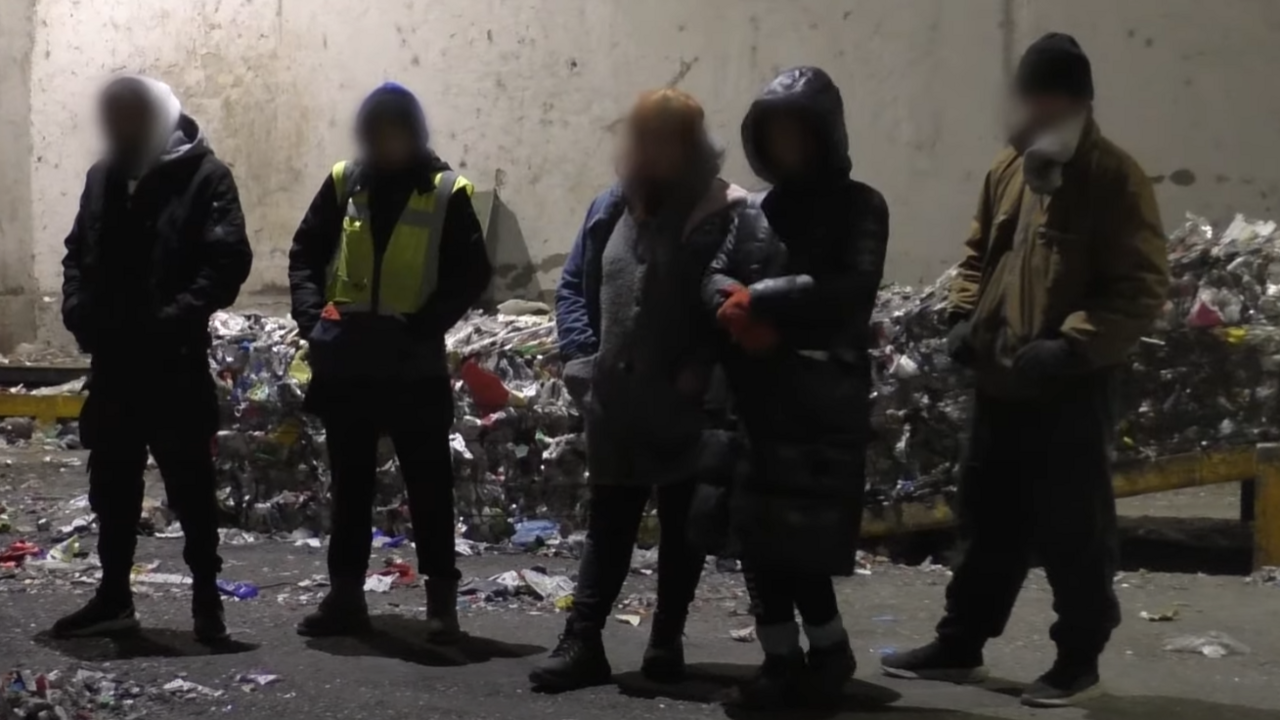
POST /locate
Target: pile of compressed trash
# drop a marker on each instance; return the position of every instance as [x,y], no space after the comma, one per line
[516,445]
[1207,376]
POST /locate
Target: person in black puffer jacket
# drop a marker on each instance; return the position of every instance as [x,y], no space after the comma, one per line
[795,288]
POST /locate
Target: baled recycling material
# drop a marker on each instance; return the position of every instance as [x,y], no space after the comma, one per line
[519,452]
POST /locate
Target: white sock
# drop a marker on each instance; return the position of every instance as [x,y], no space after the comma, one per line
[827,635]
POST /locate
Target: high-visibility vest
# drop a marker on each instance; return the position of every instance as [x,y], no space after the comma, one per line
[410,266]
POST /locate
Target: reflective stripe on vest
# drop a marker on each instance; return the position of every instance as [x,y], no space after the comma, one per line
[410,265]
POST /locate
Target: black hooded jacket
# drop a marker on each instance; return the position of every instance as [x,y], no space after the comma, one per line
[811,251]
[144,270]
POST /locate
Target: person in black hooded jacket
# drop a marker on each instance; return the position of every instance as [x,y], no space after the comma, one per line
[795,290]
[388,258]
[157,247]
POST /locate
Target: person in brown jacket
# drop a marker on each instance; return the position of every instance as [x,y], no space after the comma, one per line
[1065,270]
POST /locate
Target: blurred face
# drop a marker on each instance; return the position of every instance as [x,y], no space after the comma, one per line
[656,153]
[128,123]
[1034,114]
[787,145]
[389,145]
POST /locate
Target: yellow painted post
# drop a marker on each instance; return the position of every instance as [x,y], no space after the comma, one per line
[1266,508]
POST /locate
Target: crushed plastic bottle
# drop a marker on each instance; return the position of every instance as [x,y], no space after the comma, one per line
[1212,644]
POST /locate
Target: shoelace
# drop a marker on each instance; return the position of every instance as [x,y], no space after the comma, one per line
[565,647]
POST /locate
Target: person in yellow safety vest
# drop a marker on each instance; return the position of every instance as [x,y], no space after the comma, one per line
[389,257]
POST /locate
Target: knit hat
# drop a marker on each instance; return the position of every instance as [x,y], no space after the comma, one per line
[1055,65]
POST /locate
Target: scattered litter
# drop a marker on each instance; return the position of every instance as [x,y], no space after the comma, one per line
[744,635]
[162,578]
[532,532]
[548,587]
[253,680]
[379,583]
[239,591]
[1161,616]
[1212,644]
[632,620]
[186,688]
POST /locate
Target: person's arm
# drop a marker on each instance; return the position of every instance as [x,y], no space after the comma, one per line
[967,284]
[1131,270]
[314,244]
[465,270]
[224,254]
[576,335]
[73,304]
[826,299]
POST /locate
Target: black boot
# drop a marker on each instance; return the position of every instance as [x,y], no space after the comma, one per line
[945,661]
[442,612]
[342,612]
[1070,682]
[664,657]
[208,617]
[778,684]
[107,613]
[577,662]
[829,669]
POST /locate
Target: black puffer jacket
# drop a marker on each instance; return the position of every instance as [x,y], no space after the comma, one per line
[144,270]
[811,251]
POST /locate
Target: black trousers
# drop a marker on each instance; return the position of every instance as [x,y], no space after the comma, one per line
[172,412]
[614,516]
[419,431]
[776,597]
[1037,484]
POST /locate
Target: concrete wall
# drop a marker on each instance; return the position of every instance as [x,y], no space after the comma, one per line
[18,286]
[521,93]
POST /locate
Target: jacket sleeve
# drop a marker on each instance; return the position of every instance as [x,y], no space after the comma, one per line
[1131,267]
[967,284]
[824,300]
[314,243]
[73,304]
[465,270]
[576,335]
[225,256]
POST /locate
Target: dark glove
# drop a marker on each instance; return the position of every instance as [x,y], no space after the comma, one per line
[959,345]
[577,376]
[1046,359]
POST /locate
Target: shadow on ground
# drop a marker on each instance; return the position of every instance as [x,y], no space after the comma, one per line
[402,638]
[144,643]
[715,683]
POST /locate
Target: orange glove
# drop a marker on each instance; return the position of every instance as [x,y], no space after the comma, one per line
[330,312]
[735,313]
[486,389]
[735,316]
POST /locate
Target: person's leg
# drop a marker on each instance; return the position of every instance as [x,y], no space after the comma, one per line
[780,680]
[115,495]
[995,532]
[421,439]
[182,450]
[679,569]
[1075,513]
[353,455]
[614,515]
[831,661]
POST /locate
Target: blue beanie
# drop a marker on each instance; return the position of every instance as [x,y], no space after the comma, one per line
[393,102]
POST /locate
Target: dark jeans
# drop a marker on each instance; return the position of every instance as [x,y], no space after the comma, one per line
[172,413]
[775,598]
[420,433]
[615,513]
[1037,482]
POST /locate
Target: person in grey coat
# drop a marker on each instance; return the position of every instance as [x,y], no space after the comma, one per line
[640,356]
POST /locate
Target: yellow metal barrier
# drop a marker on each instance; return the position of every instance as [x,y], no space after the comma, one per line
[44,408]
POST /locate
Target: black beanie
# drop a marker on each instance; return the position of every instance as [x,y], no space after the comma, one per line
[1055,65]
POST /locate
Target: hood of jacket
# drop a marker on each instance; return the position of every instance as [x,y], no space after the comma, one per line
[175,135]
[810,94]
[396,103]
